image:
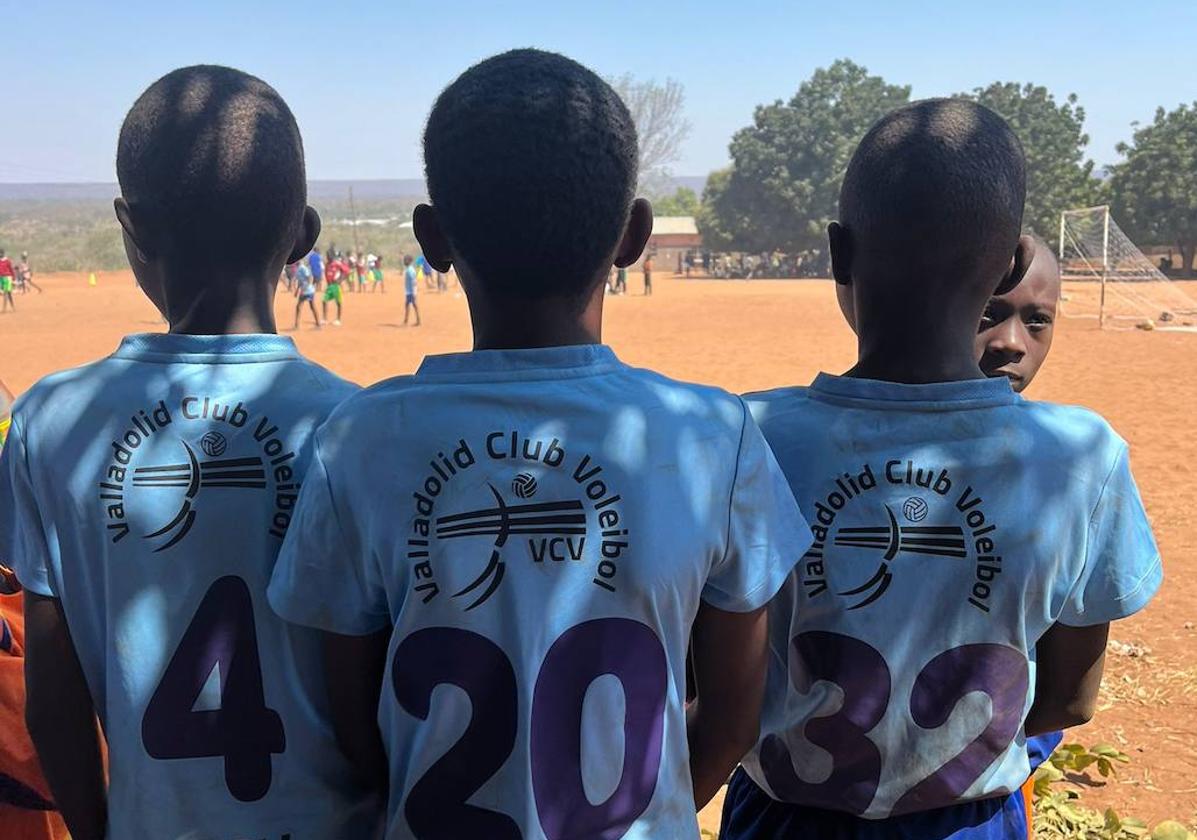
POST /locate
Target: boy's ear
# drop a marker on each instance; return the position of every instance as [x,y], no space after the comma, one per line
[839,242]
[309,232]
[1024,252]
[139,237]
[433,242]
[636,234]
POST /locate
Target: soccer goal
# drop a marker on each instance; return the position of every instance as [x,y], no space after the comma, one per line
[1112,280]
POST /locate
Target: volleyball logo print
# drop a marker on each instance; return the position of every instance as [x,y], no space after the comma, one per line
[214,444]
[893,539]
[914,509]
[564,518]
[194,475]
[524,485]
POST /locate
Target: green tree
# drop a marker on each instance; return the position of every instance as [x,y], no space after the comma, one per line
[1155,188]
[684,202]
[716,218]
[1058,175]
[787,166]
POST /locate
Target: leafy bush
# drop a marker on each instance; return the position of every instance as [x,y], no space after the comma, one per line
[1059,814]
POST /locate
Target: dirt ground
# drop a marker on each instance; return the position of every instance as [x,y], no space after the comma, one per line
[760,334]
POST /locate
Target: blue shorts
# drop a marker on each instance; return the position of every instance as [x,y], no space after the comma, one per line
[410,299]
[1041,747]
[751,814]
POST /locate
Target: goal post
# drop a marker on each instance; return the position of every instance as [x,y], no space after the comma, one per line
[1111,280]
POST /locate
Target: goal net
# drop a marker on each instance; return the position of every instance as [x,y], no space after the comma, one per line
[1113,281]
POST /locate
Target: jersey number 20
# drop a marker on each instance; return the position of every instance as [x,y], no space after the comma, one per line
[437,805]
[242,731]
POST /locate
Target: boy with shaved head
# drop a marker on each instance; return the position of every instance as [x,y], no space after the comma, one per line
[144,498]
[554,526]
[1016,328]
[970,547]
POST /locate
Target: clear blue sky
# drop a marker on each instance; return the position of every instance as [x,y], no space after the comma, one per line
[362,76]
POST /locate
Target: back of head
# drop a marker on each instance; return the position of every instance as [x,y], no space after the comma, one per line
[934,196]
[211,163]
[531,164]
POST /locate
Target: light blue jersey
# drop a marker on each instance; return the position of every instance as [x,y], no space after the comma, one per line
[409,281]
[150,492]
[538,526]
[954,523]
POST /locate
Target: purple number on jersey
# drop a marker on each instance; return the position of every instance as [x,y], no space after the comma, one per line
[242,731]
[437,806]
[997,671]
[860,672]
[632,653]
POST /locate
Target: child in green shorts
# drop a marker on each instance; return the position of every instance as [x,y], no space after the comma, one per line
[6,275]
[332,292]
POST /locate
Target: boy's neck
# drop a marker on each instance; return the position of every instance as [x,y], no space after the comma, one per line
[516,324]
[921,354]
[228,308]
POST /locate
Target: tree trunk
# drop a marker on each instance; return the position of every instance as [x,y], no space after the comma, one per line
[1187,250]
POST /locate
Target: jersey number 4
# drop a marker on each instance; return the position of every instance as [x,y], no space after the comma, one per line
[242,731]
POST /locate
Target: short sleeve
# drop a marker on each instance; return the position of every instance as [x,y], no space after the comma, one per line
[766,533]
[1122,563]
[324,577]
[23,545]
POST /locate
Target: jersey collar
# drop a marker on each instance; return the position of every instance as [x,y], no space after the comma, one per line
[200,349]
[934,396]
[540,362]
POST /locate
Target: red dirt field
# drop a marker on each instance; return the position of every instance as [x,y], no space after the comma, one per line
[759,334]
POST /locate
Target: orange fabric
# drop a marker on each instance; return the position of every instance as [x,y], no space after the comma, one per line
[18,760]
[1028,802]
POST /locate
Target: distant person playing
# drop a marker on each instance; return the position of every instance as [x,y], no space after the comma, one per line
[335,271]
[379,280]
[350,270]
[648,274]
[316,264]
[362,267]
[621,280]
[305,292]
[25,272]
[967,542]
[7,275]
[332,290]
[567,715]
[411,284]
[196,442]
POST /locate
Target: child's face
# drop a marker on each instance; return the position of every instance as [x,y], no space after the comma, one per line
[1015,333]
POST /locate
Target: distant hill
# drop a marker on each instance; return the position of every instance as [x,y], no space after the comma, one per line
[364,191]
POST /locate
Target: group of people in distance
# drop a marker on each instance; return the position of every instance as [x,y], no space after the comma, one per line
[337,272]
[617,277]
[17,277]
[460,603]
